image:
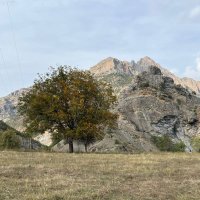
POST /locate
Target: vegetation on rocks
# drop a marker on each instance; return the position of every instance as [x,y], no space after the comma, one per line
[165,143]
[9,137]
[9,140]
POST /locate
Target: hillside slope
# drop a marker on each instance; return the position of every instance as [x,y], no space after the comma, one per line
[24,142]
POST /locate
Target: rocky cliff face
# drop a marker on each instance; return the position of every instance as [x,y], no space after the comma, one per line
[152,104]
[157,106]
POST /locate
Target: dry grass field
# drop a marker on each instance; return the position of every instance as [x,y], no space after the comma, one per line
[59,176]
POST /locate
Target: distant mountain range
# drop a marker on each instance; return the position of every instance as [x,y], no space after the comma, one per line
[152,101]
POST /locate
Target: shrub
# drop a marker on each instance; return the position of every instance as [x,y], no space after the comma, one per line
[144,84]
[164,143]
[196,143]
[179,147]
[178,101]
[9,140]
[117,141]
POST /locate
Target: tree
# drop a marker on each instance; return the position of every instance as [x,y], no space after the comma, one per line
[70,103]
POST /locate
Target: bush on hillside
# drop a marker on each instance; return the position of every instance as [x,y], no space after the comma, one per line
[164,143]
[9,140]
[179,147]
[196,143]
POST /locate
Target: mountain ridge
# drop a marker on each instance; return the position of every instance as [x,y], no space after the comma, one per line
[112,65]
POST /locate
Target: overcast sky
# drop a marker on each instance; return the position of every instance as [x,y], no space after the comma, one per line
[36,34]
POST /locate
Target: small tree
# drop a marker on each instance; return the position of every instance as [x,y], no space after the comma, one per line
[85,133]
[70,103]
[9,140]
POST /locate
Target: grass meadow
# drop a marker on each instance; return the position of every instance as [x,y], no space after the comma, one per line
[62,176]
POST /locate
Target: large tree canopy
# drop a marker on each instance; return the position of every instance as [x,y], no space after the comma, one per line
[70,103]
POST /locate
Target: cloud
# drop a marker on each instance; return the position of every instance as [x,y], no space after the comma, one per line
[195,12]
[193,72]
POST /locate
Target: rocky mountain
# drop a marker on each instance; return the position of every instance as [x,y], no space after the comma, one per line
[153,105]
[114,66]
[151,102]
[8,111]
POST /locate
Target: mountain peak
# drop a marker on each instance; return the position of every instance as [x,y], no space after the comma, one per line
[147,61]
[112,65]
[109,59]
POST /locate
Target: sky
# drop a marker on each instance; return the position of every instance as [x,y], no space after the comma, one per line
[37,34]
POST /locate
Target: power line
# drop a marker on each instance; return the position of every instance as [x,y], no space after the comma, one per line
[2,57]
[4,64]
[14,40]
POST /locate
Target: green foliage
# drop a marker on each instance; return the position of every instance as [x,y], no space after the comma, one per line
[9,140]
[144,84]
[117,141]
[70,103]
[162,87]
[4,126]
[196,143]
[164,143]
[117,79]
[178,101]
[88,133]
[179,147]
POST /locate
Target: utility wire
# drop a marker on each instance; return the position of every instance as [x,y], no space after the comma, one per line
[4,64]
[14,40]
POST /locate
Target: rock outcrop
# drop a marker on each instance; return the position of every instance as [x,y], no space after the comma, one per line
[152,104]
[112,65]
[157,106]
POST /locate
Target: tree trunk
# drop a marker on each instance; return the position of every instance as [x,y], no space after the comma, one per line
[30,143]
[71,146]
[86,147]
